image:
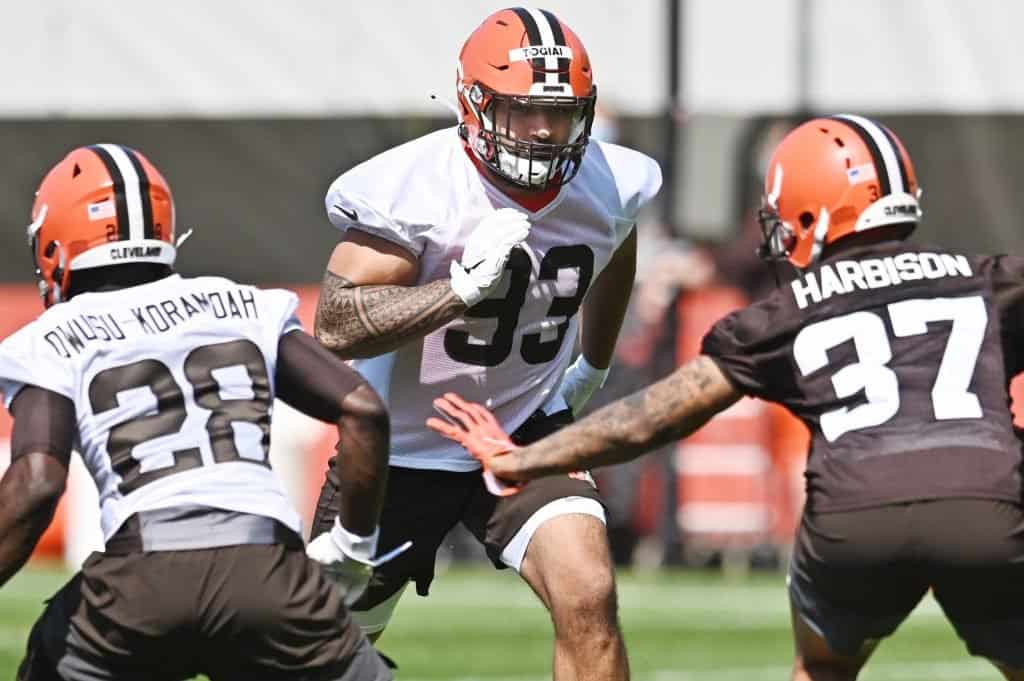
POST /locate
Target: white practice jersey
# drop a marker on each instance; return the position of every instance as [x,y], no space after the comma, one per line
[173,385]
[508,352]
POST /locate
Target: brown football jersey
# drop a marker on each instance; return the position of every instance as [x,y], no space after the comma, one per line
[898,358]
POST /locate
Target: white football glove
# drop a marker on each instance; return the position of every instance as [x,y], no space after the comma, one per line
[579,382]
[348,559]
[483,260]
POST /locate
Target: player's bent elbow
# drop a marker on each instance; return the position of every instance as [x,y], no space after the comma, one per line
[45,483]
[345,347]
[330,341]
[44,504]
[366,405]
[45,495]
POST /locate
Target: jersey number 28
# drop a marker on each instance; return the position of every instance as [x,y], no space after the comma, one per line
[202,366]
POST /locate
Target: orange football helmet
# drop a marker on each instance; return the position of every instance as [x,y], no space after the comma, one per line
[525,58]
[832,177]
[102,205]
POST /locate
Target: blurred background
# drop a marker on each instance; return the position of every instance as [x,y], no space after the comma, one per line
[252,109]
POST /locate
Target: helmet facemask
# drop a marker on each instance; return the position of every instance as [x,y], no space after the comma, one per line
[53,281]
[526,163]
[776,236]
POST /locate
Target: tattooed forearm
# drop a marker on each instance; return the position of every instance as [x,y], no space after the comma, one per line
[663,412]
[365,321]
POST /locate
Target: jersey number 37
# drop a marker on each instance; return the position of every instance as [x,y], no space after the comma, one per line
[951,396]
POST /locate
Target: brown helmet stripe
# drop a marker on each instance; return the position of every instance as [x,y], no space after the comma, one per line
[131,185]
[899,157]
[892,172]
[533,35]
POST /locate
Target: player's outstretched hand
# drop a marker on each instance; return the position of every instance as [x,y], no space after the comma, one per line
[474,427]
[487,249]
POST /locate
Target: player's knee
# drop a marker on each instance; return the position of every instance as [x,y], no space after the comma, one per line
[587,601]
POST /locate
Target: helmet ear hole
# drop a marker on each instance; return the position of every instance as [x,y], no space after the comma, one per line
[51,248]
[806,219]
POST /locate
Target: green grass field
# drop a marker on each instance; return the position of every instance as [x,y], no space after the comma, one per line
[482,624]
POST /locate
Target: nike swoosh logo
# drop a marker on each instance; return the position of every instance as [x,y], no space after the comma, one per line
[350,214]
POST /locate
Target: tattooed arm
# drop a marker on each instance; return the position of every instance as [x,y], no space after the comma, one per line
[365,321]
[368,303]
[663,412]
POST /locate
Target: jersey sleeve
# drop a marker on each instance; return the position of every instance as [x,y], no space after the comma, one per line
[282,311]
[644,187]
[637,179]
[27,359]
[385,197]
[349,210]
[751,351]
[1007,276]
[278,317]
[1006,273]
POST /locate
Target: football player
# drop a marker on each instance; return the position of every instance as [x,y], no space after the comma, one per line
[165,386]
[467,260]
[898,358]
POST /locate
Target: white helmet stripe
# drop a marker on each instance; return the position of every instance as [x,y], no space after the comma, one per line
[132,190]
[560,40]
[547,39]
[890,154]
